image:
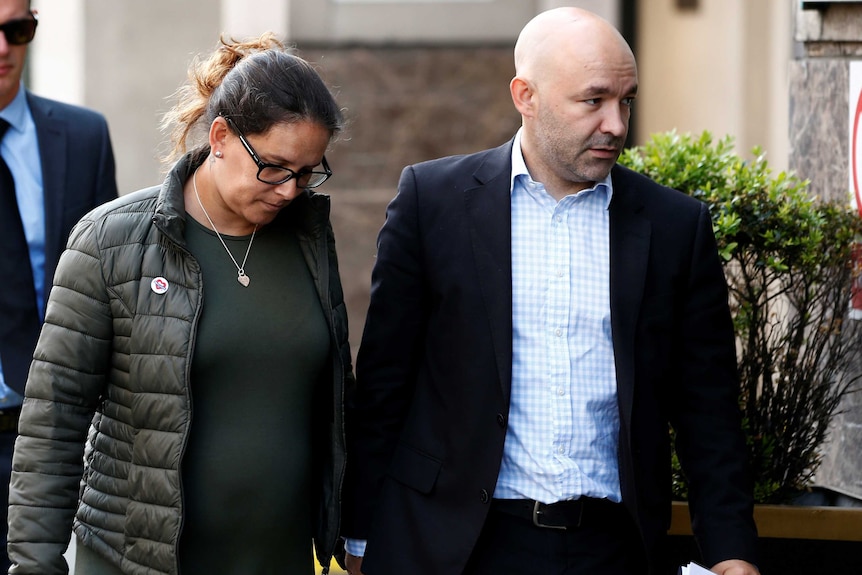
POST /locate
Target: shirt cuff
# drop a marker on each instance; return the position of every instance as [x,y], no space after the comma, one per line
[355,547]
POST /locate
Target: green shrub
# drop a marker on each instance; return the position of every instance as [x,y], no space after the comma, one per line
[787,259]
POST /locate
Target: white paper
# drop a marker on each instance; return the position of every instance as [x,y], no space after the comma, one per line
[694,569]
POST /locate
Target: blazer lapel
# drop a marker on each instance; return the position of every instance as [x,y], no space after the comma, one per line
[629,247]
[488,207]
[52,135]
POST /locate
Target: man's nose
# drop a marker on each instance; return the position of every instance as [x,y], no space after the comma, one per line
[616,120]
[4,45]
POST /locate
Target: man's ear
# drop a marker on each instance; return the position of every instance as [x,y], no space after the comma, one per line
[523,96]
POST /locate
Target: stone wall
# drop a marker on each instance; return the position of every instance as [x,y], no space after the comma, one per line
[818,126]
[403,105]
[829,39]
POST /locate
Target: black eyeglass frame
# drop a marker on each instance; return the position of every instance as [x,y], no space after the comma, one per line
[261,165]
[21,30]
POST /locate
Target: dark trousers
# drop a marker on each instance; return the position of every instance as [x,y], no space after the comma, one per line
[511,545]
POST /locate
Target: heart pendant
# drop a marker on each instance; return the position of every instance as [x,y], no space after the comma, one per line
[243,279]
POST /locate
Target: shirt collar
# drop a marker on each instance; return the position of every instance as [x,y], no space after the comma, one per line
[519,168]
[17,111]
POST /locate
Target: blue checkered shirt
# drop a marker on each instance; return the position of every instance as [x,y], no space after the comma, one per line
[563,430]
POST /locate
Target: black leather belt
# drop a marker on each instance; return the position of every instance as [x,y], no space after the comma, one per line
[569,514]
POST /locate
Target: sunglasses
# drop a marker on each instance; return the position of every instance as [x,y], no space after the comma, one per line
[21,31]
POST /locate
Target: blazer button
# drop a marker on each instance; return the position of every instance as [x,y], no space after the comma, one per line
[501,421]
[483,495]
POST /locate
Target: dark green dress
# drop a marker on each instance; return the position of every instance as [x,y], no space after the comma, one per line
[259,352]
[88,562]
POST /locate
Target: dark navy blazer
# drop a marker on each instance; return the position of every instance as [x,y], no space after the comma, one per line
[428,423]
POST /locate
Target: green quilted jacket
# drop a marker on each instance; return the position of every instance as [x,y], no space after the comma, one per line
[107,409]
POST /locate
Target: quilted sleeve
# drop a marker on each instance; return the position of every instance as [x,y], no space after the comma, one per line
[66,379]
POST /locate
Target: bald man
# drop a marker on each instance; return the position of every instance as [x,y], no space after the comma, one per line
[539,316]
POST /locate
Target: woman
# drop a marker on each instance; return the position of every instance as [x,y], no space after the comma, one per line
[195,349]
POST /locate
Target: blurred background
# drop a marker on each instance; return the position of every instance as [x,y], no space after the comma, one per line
[417,79]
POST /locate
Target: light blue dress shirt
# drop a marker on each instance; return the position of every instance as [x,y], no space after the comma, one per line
[20,150]
[563,432]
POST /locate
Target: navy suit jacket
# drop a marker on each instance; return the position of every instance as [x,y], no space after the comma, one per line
[77,169]
[428,423]
[77,175]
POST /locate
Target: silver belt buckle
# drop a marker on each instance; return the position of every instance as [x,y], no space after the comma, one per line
[536,514]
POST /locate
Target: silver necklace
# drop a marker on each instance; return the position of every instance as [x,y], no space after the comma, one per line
[240,269]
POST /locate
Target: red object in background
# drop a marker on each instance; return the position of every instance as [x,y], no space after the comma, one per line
[856,290]
[855,155]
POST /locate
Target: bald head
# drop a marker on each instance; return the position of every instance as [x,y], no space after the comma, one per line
[574,86]
[563,37]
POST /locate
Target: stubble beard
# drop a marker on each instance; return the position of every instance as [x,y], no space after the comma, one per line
[569,156]
[571,159]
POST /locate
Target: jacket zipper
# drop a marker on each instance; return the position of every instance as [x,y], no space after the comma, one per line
[187,378]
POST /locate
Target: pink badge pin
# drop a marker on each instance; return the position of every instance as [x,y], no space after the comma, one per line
[159,285]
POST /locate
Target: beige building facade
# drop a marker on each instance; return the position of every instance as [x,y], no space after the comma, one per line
[718,65]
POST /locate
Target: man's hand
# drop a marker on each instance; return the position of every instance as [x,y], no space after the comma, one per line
[354,564]
[732,567]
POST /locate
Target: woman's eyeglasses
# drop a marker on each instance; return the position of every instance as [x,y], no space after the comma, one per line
[21,31]
[274,174]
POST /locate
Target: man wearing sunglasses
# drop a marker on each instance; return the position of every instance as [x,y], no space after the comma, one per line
[56,163]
